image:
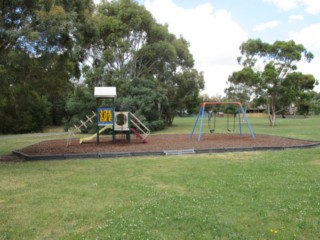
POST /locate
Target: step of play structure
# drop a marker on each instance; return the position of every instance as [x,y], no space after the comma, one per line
[140,130]
[137,134]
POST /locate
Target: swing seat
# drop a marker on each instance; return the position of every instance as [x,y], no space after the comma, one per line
[234,123]
[212,131]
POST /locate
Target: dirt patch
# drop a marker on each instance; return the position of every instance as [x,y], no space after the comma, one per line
[316,162]
[164,142]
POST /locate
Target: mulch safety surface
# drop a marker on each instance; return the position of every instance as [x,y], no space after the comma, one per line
[164,142]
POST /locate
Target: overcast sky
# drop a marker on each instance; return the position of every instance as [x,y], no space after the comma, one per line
[216,28]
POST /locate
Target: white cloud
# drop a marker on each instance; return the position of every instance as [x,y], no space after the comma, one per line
[285,5]
[311,42]
[308,38]
[213,35]
[295,18]
[267,25]
[310,6]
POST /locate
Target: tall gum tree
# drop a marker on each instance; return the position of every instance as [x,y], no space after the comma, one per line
[132,45]
[268,70]
[41,46]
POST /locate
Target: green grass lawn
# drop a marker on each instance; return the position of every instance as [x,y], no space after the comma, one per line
[251,195]
[301,128]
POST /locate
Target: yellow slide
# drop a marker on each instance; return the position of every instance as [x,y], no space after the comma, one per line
[94,135]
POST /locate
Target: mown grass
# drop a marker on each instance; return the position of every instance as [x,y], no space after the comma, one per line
[222,196]
[251,195]
[301,128]
[8,143]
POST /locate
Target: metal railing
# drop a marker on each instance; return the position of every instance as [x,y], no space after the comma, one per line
[142,129]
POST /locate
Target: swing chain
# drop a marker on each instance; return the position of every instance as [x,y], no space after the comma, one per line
[234,122]
[211,114]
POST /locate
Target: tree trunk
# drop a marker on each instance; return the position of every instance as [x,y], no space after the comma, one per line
[271,107]
[272,119]
[169,116]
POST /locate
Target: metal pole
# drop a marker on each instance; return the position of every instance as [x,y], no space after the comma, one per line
[239,118]
[196,122]
[113,115]
[246,119]
[201,123]
[98,116]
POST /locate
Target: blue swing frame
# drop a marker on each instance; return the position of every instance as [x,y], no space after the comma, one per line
[202,111]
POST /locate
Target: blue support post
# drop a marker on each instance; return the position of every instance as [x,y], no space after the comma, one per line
[247,121]
[196,122]
[201,123]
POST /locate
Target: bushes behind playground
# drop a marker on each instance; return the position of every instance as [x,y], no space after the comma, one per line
[156,125]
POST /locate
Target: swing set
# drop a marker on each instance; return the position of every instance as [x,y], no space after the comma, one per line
[212,115]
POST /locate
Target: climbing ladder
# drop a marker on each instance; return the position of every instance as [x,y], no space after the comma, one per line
[71,133]
[84,124]
[138,128]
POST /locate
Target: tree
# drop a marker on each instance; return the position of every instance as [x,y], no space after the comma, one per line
[133,46]
[114,57]
[269,72]
[185,92]
[46,48]
[42,44]
[315,102]
[79,104]
[147,100]
[298,91]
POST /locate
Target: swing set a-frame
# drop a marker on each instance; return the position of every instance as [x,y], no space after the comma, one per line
[201,115]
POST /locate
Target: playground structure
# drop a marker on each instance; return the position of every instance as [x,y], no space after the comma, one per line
[119,123]
[201,115]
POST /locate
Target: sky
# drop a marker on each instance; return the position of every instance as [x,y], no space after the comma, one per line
[216,28]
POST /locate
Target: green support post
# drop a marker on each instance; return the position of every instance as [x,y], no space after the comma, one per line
[113,115]
[98,140]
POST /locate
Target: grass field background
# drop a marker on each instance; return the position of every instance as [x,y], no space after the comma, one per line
[250,195]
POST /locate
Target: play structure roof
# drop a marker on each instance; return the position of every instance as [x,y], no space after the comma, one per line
[105,92]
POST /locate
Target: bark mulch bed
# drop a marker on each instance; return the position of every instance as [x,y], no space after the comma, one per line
[166,144]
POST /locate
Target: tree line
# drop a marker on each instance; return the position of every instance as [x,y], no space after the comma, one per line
[270,77]
[53,53]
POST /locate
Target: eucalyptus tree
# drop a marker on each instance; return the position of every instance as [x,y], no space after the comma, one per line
[132,45]
[123,29]
[270,73]
[315,102]
[299,92]
[146,99]
[41,46]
